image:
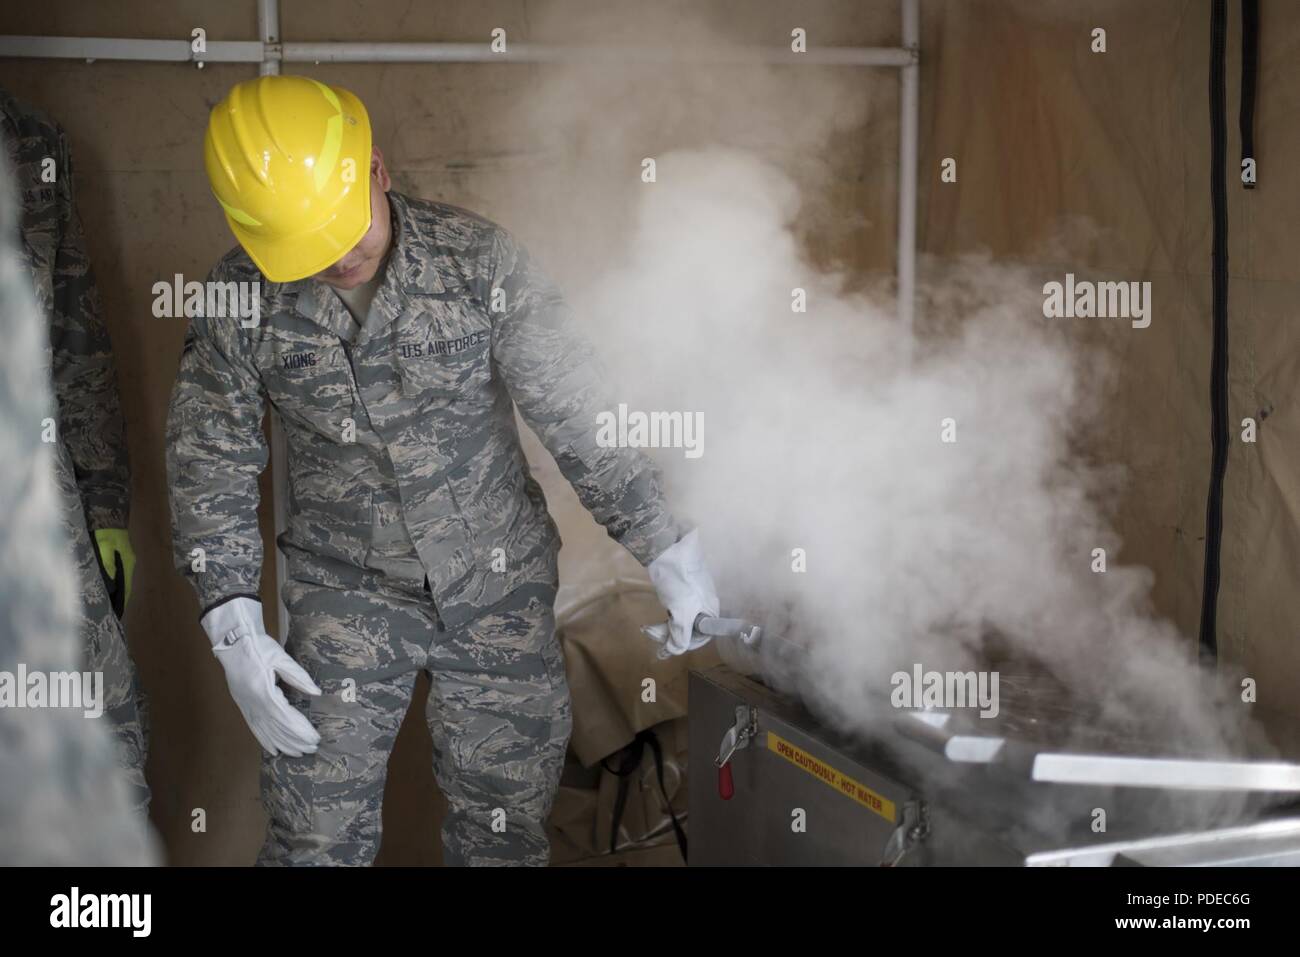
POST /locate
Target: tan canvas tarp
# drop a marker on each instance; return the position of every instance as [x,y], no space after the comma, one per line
[1099,163]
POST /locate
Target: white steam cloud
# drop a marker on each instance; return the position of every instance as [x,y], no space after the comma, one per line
[822,436]
[823,430]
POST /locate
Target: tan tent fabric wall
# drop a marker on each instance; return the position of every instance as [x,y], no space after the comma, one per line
[1099,164]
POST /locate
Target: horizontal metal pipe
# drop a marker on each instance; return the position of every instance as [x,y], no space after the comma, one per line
[102,48]
[253,51]
[534,53]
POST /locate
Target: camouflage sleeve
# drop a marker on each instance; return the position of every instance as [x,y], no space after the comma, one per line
[215,452]
[63,801]
[85,384]
[558,384]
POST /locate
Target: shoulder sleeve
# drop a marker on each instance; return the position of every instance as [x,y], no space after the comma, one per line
[85,382]
[215,452]
[556,380]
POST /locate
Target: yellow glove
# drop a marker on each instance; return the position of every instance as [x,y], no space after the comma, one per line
[114,544]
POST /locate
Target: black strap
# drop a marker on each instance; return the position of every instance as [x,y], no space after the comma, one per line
[1219,353]
[115,584]
[629,762]
[1249,70]
[221,601]
[653,741]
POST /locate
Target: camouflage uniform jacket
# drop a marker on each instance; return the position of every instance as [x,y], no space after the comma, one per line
[90,426]
[62,798]
[403,453]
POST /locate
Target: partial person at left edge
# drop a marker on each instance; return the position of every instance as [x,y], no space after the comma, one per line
[91,466]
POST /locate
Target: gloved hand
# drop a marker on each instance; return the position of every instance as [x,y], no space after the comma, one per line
[686,589]
[117,561]
[252,660]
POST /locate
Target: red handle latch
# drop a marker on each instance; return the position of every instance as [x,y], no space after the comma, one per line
[726,786]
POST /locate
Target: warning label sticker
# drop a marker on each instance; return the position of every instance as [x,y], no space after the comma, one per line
[827,774]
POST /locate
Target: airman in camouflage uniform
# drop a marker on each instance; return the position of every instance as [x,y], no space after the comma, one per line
[91,466]
[417,539]
[63,799]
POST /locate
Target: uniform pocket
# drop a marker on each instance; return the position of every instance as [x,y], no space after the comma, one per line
[391,550]
[309,381]
[443,352]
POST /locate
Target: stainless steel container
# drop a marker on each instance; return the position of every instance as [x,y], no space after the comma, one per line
[770,785]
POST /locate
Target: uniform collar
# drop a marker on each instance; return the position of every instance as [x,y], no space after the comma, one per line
[408,263]
[406,274]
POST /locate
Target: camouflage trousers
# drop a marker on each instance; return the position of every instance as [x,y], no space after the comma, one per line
[498,713]
[125,705]
[104,641]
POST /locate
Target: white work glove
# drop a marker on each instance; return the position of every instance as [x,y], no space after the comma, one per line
[252,660]
[686,589]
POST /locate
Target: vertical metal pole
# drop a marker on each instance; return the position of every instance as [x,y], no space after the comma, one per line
[268,26]
[909,107]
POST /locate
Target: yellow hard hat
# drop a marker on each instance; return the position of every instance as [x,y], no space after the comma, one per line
[289,161]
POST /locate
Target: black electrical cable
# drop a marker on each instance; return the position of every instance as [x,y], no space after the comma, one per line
[1219,351]
[630,762]
[1249,69]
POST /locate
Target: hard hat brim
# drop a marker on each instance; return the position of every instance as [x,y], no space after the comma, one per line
[291,258]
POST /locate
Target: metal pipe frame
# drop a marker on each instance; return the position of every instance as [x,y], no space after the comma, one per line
[269,52]
[272,51]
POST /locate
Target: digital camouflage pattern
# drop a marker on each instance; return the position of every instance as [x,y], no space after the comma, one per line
[62,797]
[433,480]
[405,465]
[53,246]
[91,466]
[498,713]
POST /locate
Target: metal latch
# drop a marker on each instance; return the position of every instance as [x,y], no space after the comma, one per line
[911,831]
[737,737]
